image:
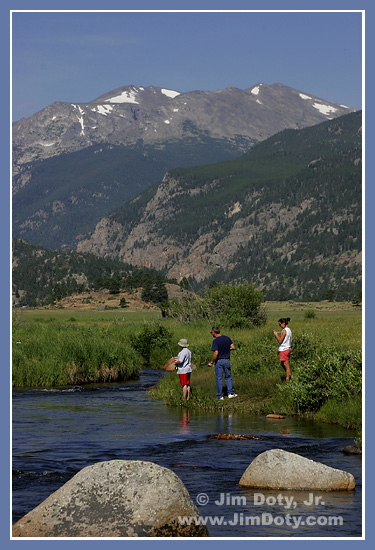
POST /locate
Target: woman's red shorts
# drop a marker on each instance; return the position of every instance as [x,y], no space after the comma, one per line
[185,379]
[284,355]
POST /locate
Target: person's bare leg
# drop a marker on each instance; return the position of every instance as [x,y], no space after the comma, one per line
[287,369]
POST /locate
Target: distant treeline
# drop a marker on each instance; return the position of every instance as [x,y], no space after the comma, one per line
[42,277]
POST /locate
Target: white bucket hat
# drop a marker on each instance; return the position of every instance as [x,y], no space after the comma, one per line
[183,343]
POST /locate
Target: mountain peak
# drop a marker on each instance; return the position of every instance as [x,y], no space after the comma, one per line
[131,113]
[135,94]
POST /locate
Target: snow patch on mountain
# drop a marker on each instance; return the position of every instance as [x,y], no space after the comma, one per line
[124,97]
[324,109]
[304,96]
[80,118]
[102,109]
[170,93]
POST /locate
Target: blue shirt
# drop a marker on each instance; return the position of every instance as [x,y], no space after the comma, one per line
[222,345]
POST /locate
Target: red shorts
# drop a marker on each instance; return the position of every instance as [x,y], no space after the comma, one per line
[284,355]
[185,379]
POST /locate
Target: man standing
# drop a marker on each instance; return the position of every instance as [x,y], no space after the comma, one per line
[222,346]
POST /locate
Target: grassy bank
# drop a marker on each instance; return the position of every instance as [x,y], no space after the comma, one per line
[52,352]
[61,348]
[326,367]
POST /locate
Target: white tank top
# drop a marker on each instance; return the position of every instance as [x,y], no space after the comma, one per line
[287,342]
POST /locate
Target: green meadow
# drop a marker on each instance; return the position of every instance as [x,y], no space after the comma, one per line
[65,347]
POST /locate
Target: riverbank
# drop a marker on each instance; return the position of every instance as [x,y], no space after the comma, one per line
[62,347]
[326,367]
[47,352]
[262,394]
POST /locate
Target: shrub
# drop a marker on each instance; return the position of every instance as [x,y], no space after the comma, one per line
[309,314]
[324,373]
[304,346]
[149,339]
[233,306]
[192,308]
[358,439]
[236,306]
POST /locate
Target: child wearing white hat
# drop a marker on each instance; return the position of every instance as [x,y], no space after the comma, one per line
[183,367]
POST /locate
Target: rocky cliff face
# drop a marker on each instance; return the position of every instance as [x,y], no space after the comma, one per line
[146,244]
[292,205]
[142,246]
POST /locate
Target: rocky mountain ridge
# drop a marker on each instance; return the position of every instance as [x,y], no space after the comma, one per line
[74,163]
[131,113]
[291,206]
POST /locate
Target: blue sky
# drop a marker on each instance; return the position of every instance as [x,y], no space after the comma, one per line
[76,57]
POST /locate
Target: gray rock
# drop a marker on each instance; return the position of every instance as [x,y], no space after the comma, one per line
[278,469]
[118,498]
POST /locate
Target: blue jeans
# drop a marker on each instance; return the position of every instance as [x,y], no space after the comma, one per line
[222,367]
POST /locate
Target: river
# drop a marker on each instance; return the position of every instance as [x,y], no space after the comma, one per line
[59,431]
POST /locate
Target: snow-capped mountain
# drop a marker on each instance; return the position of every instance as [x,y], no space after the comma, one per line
[131,113]
[74,163]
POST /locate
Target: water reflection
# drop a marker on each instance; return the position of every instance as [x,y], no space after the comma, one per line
[224,423]
[185,423]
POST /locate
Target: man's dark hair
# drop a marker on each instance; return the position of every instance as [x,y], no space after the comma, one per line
[216,330]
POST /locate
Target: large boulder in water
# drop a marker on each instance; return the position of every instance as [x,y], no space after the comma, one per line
[118,498]
[278,469]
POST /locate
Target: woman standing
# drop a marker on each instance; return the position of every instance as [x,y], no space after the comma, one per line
[285,343]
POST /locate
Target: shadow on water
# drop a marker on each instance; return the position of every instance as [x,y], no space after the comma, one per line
[59,431]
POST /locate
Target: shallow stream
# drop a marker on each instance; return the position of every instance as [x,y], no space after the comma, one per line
[57,432]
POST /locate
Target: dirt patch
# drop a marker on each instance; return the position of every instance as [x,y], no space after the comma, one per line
[103,300]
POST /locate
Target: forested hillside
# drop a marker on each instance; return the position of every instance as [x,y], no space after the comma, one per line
[285,216]
[68,194]
[42,276]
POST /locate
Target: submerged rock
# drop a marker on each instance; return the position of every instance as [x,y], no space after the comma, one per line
[118,498]
[278,469]
[232,436]
[352,450]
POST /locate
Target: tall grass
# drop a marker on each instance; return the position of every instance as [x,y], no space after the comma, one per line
[325,364]
[98,346]
[54,353]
